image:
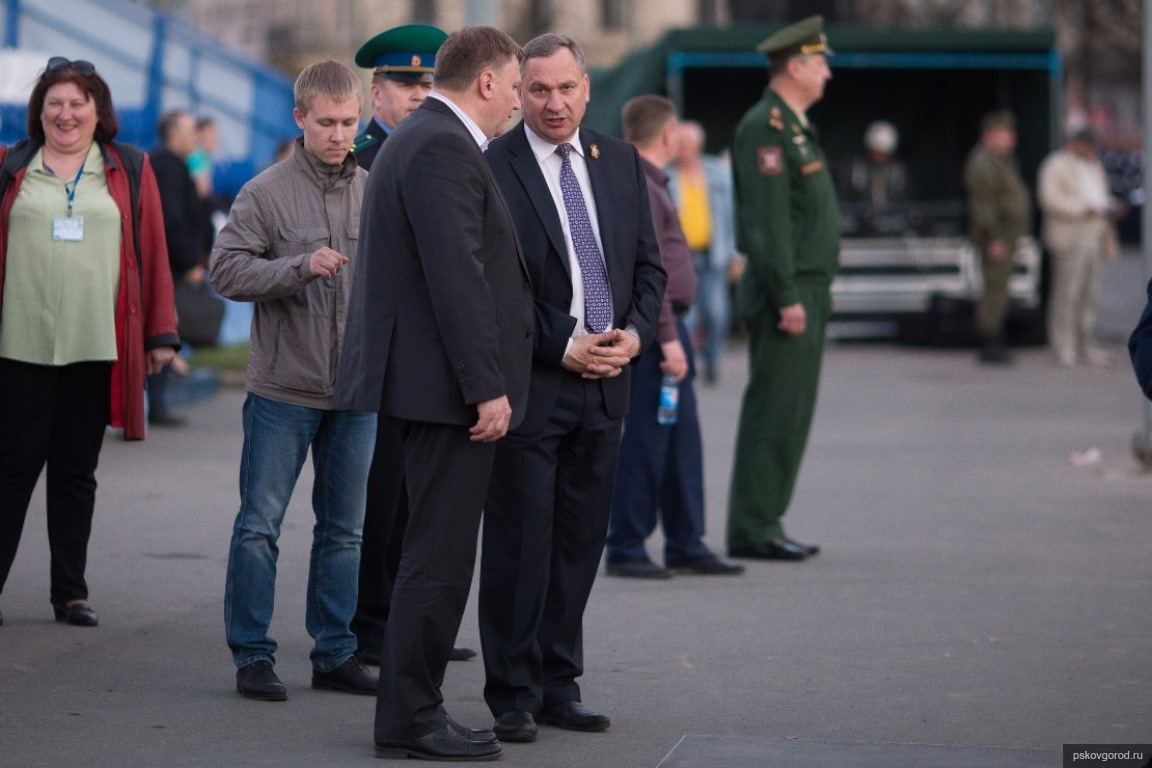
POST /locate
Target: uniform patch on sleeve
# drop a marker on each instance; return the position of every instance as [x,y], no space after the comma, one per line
[771,160]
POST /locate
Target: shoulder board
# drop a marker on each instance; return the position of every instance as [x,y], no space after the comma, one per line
[363,141]
[776,118]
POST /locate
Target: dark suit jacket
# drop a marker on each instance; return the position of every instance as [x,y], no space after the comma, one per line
[440,317]
[631,254]
[184,215]
[1140,347]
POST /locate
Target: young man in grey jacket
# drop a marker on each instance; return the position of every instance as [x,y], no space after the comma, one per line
[287,247]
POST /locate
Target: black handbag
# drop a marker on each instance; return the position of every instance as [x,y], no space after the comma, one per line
[199,314]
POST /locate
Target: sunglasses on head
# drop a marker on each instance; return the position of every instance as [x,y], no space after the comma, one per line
[82,67]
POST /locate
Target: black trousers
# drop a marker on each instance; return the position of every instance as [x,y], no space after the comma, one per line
[385,518]
[54,416]
[545,521]
[447,476]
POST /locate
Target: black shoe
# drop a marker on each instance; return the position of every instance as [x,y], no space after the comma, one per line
[638,569]
[258,681]
[574,716]
[461,653]
[708,566]
[516,725]
[482,735]
[166,419]
[777,549]
[808,549]
[443,744]
[350,677]
[994,352]
[76,614]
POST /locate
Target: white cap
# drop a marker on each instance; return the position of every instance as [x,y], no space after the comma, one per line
[881,136]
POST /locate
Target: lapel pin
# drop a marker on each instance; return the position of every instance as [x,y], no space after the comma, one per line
[595,150]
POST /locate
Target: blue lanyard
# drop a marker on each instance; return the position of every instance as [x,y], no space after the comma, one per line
[70,189]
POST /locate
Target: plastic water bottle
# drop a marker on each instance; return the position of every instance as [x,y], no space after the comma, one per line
[669,401]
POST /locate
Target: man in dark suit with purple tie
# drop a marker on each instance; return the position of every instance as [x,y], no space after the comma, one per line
[440,337]
[580,204]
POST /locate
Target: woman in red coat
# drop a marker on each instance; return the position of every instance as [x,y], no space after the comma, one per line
[86,311]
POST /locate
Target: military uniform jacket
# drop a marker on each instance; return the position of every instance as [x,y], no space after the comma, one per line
[787,220]
[368,143]
[998,204]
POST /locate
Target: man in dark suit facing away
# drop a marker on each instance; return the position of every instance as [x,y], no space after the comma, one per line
[402,60]
[580,204]
[440,336]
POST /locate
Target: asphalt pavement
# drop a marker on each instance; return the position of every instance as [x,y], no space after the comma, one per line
[985,582]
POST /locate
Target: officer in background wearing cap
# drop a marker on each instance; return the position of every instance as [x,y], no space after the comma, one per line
[999,214]
[788,225]
[402,60]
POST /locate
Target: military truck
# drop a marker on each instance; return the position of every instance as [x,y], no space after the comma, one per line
[913,267]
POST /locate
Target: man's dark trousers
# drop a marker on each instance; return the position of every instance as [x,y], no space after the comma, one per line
[386,516]
[661,468]
[575,450]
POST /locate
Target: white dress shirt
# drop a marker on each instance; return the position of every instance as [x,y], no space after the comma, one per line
[469,123]
[550,163]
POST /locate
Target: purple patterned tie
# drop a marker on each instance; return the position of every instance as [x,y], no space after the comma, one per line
[597,300]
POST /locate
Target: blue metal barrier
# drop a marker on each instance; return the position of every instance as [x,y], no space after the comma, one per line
[154,63]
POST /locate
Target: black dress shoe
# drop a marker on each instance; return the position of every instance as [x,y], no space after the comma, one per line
[777,549]
[516,725]
[443,744]
[76,614]
[808,549]
[473,734]
[638,569]
[461,653]
[350,677]
[574,716]
[258,681]
[708,566]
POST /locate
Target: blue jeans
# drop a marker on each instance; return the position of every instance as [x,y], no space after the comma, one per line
[711,316]
[277,437]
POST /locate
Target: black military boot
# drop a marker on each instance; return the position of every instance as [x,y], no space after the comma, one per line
[995,352]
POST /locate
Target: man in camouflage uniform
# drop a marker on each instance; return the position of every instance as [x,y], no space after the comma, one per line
[789,228]
[999,214]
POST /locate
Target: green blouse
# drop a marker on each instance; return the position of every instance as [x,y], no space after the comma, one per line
[59,293]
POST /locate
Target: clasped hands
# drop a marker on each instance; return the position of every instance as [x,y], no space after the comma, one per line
[601,355]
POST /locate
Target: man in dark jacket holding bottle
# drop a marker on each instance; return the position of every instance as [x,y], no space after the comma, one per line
[663,462]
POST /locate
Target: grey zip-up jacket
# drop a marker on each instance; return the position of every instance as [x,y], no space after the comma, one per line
[279,219]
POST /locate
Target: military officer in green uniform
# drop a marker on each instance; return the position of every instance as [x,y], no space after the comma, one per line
[788,226]
[999,214]
[402,60]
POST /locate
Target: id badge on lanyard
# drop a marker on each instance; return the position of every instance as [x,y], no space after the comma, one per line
[69,228]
